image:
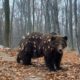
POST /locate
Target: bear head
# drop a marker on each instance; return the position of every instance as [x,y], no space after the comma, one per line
[59,42]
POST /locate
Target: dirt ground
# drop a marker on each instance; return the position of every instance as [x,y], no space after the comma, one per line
[11,70]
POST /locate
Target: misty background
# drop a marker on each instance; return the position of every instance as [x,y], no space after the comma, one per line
[18,17]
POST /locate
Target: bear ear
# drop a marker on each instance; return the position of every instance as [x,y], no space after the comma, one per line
[65,38]
[53,38]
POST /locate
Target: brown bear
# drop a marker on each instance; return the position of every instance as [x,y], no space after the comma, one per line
[53,50]
[47,45]
[29,45]
[33,37]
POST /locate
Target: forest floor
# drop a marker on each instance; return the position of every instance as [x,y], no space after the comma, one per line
[11,70]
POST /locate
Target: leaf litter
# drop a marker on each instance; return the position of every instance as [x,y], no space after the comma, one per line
[11,70]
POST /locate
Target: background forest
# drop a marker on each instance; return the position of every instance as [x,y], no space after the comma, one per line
[18,17]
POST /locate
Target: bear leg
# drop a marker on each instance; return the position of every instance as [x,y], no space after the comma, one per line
[58,57]
[27,59]
[49,63]
[18,59]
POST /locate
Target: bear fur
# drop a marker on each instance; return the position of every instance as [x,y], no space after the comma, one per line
[36,45]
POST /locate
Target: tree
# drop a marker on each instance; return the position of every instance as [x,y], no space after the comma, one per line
[76,26]
[70,24]
[11,22]
[47,17]
[7,22]
[66,14]
[1,23]
[33,15]
[56,23]
[29,27]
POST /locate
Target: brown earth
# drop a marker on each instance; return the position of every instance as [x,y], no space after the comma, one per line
[10,70]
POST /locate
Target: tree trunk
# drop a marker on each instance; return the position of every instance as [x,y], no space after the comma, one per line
[70,24]
[56,22]
[7,22]
[33,16]
[29,17]
[47,18]
[11,24]
[76,27]
[66,14]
